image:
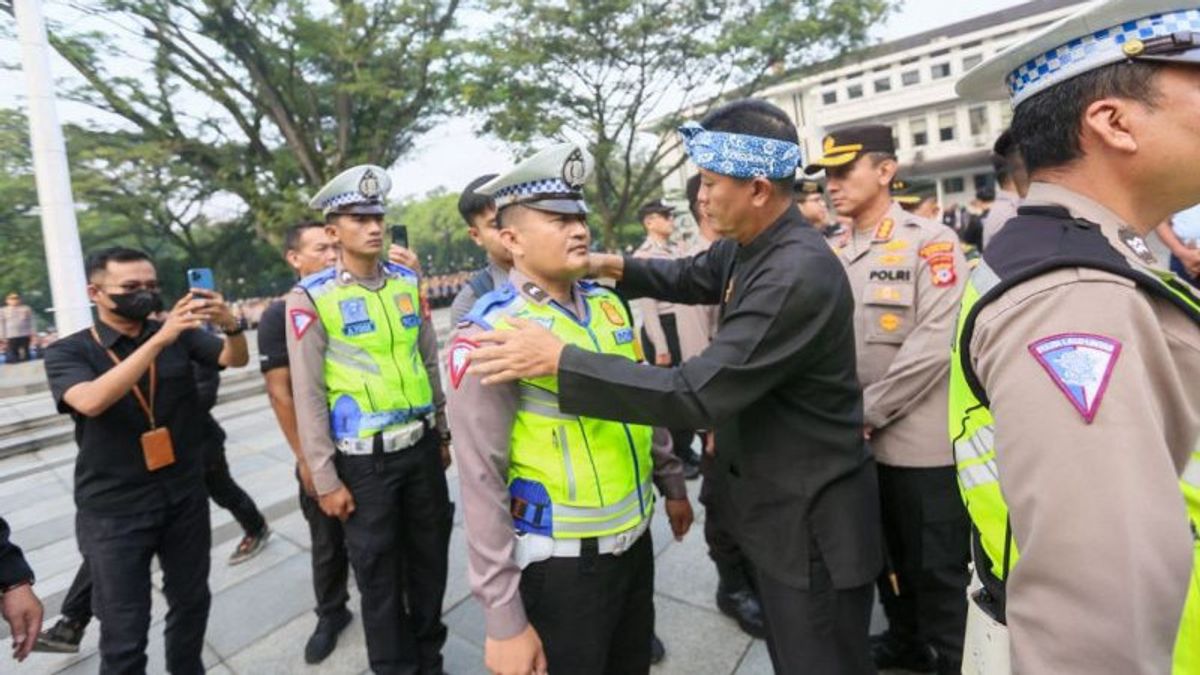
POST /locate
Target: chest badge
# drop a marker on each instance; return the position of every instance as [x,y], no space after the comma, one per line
[623,336]
[1138,245]
[355,320]
[884,231]
[889,322]
[614,315]
[407,309]
[1080,365]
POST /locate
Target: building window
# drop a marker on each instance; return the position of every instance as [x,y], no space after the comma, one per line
[854,91]
[955,184]
[919,130]
[971,61]
[983,181]
[910,77]
[939,70]
[883,84]
[977,118]
[946,125]
[829,97]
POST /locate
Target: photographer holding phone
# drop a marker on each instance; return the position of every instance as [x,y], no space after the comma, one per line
[129,386]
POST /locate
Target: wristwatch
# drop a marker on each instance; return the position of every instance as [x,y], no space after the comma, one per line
[238,330]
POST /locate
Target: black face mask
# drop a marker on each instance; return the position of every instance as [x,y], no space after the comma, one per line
[136,305]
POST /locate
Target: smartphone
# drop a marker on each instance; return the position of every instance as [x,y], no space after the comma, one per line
[400,235]
[201,277]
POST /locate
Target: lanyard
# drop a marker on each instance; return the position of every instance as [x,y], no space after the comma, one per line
[147,407]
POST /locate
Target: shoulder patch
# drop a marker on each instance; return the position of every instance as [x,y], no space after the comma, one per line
[396,269]
[301,320]
[936,248]
[318,278]
[457,359]
[941,270]
[1080,364]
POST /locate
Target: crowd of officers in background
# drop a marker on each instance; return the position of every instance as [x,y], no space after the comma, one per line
[793,354]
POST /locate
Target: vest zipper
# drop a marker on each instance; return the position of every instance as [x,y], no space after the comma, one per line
[567,466]
[637,471]
[591,460]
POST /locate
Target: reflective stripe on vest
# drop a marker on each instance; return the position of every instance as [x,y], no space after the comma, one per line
[572,476]
[374,375]
[1025,251]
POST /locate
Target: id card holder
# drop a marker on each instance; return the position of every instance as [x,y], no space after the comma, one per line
[157,449]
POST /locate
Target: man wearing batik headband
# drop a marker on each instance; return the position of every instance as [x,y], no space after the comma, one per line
[1073,407]
[777,385]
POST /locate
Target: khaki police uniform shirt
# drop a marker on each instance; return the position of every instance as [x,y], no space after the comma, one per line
[1003,210]
[306,354]
[907,274]
[1096,509]
[691,324]
[16,322]
[481,419]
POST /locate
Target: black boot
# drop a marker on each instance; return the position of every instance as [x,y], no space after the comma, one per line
[658,651]
[893,652]
[325,636]
[739,602]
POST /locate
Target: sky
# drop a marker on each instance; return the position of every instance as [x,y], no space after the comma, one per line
[451,154]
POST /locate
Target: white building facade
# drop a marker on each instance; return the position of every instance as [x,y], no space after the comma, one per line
[908,84]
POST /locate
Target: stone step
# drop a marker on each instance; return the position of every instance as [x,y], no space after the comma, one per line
[51,428]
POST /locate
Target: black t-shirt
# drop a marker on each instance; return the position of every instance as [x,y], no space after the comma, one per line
[272,340]
[110,473]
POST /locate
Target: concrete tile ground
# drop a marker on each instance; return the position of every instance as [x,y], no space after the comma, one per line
[262,610]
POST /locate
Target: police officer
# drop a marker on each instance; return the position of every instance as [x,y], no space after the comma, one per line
[479,212]
[671,333]
[310,249]
[369,409]
[572,591]
[1073,407]
[810,199]
[1012,182]
[907,274]
[777,384]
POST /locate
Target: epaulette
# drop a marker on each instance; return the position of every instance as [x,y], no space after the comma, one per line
[397,270]
[317,279]
[489,303]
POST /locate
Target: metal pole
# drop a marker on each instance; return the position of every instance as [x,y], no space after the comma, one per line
[64,255]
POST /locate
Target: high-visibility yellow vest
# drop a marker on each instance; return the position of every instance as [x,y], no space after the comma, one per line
[571,476]
[374,373]
[1038,241]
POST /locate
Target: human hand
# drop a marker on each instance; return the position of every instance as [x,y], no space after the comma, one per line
[679,512]
[528,350]
[306,479]
[867,431]
[662,359]
[710,444]
[1191,262]
[183,316]
[521,654]
[23,612]
[606,266]
[447,458]
[404,256]
[213,309]
[338,504]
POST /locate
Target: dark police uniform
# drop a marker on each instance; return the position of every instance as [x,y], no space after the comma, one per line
[330,566]
[778,386]
[13,568]
[128,515]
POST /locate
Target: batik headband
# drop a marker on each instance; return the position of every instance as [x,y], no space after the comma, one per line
[740,155]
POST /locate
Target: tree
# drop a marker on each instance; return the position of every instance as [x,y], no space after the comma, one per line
[607,68]
[265,100]
[437,233]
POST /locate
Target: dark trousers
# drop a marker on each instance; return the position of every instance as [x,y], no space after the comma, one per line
[595,613]
[736,572]
[118,551]
[17,349]
[819,630]
[330,565]
[927,531]
[681,439]
[221,486]
[398,539]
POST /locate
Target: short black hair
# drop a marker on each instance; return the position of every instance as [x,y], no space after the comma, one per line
[98,261]
[471,203]
[291,239]
[1047,125]
[986,194]
[693,196]
[755,117]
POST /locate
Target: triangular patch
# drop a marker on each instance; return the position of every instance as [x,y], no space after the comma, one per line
[302,320]
[457,359]
[1081,365]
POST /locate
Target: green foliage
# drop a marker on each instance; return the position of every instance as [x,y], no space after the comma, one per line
[608,69]
[437,233]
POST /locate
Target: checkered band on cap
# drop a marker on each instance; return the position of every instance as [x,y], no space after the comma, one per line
[512,194]
[1092,51]
[347,198]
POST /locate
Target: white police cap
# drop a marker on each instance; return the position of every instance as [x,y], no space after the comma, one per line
[552,180]
[1101,33]
[360,190]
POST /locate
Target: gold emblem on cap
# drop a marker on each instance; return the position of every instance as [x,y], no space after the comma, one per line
[830,143]
[1133,47]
